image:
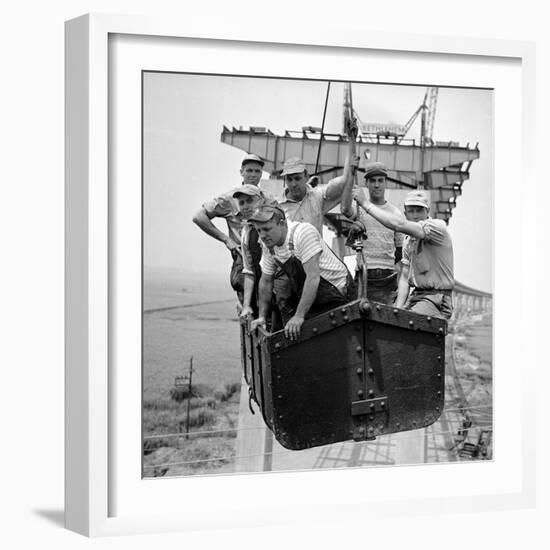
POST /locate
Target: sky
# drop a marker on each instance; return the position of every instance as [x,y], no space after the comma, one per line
[185,163]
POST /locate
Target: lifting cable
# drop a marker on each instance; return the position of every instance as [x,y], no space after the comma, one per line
[322,129]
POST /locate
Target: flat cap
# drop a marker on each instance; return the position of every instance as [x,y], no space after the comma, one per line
[375,169]
[293,165]
[417,198]
[265,212]
[252,158]
[248,189]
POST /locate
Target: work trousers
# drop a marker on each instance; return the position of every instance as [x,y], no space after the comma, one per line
[288,285]
[431,302]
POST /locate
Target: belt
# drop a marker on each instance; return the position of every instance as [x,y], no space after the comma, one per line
[447,291]
[379,273]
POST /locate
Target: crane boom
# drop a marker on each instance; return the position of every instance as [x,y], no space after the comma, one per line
[430,101]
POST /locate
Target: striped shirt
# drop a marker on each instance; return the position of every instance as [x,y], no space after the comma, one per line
[307,243]
[431,258]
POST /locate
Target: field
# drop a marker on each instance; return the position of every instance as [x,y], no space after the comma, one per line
[189,317]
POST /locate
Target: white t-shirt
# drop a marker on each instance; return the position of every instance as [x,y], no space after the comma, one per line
[307,243]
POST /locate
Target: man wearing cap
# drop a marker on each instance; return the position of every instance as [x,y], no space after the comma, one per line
[383,246]
[304,203]
[249,198]
[225,206]
[427,255]
[319,281]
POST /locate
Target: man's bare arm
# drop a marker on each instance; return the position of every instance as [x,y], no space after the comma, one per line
[346,207]
[204,221]
[392,219]
[265,289]
[247,297]
[309,293]
[403,286]
[336,186]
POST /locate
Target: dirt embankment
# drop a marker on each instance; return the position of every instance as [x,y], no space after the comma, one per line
[472,352]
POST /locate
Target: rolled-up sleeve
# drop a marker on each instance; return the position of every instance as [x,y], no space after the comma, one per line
[219,207]
[435,231]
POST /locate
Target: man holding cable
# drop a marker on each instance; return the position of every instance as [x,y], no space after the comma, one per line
[383,247]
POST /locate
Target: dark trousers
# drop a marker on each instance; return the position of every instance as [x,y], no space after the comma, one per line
[381,285]
[236,277]
[288,286]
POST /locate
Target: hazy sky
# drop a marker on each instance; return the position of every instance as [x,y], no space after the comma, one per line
[185,163]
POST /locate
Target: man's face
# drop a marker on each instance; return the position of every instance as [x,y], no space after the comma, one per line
[247,204]
[251,173]
[416,213]
[271,233]
[377,187]
[296,185]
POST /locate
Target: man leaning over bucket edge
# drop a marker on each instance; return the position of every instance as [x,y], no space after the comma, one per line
[318,279]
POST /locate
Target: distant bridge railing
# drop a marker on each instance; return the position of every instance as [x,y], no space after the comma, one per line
[470,301]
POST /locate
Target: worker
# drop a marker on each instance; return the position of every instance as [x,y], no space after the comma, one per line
[427,279]
[382,249]
[318,279]
[225,206]
[249,198]
[304,203]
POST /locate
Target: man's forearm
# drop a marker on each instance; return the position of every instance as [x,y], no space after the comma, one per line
[205,223]
[389,219]
[337,185]
[265,288]
[402,292]
[248,289]
[347,198]
[309,293]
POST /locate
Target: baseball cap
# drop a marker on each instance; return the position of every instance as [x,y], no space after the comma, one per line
[375,169]
[293,165]
[248,189]
[252,158]
[265,212]
[417,198]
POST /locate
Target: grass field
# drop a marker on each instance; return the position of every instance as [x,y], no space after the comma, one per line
[187,316]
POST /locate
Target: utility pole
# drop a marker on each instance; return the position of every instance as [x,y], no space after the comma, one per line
[179,385]
[189,397]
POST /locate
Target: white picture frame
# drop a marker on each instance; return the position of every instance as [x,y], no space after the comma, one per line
[99,500]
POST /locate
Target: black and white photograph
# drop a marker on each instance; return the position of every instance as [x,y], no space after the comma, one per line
[274,274]
[317,274]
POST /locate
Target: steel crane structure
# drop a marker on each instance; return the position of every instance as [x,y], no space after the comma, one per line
[440,167]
